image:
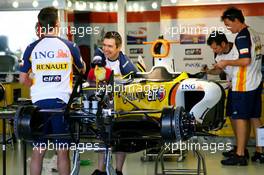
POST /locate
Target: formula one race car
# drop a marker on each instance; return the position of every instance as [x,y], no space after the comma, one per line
[142,111]
[155,106]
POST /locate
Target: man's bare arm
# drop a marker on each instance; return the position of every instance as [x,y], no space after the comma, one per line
[25,79]
[238,62]
[214,71]
[82,70]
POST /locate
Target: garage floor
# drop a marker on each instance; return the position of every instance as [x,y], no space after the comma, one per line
[134,166]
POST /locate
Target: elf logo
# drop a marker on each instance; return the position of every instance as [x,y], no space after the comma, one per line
[51,78]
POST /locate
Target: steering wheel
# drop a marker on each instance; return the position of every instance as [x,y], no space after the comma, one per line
[199,75]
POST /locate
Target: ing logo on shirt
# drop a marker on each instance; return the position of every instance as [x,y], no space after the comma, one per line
[51,54]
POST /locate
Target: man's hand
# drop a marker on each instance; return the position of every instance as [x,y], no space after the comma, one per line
[221,64]
[25,79]
[204,68]
[214,71]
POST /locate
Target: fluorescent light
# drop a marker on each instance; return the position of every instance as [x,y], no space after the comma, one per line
[91,5]
[69,4]
[98,7]
[116,7]
[135,6]
[15,4]
[55,3]
[154,5]
[141,9]
[129,8]
[104,6]
[80,5]
[35,3]
[174,1]
[111,7]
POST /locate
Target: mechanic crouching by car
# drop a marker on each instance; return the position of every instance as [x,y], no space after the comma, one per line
[112,58]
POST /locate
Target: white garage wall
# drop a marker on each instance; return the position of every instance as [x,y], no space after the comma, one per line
[19,27]
[193,63]
[152,33]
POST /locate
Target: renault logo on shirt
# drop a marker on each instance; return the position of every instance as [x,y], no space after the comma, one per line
[52,66]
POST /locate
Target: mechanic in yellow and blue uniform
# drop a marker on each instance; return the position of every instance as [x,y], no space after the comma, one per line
[47,70]
[112,57]
[244,102]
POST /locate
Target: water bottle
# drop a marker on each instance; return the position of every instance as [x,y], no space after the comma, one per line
[86,103]
[204,70]
[94,107]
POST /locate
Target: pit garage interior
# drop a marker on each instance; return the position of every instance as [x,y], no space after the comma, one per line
[167,41]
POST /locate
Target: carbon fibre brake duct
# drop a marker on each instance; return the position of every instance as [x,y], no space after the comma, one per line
[176,124]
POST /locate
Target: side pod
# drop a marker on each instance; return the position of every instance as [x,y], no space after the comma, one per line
[204,100]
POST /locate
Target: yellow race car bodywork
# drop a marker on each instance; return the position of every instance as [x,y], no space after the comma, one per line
[147,95]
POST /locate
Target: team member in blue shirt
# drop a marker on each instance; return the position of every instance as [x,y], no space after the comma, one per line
[112,57]
[245,99]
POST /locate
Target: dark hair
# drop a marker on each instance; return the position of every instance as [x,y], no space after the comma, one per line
[217,37]
[47,18]
[114,35]
[233,13]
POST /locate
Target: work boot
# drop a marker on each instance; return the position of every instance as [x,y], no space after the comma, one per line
[258,157]
[119,172]
[235,160]
[232,152]
[98,172]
